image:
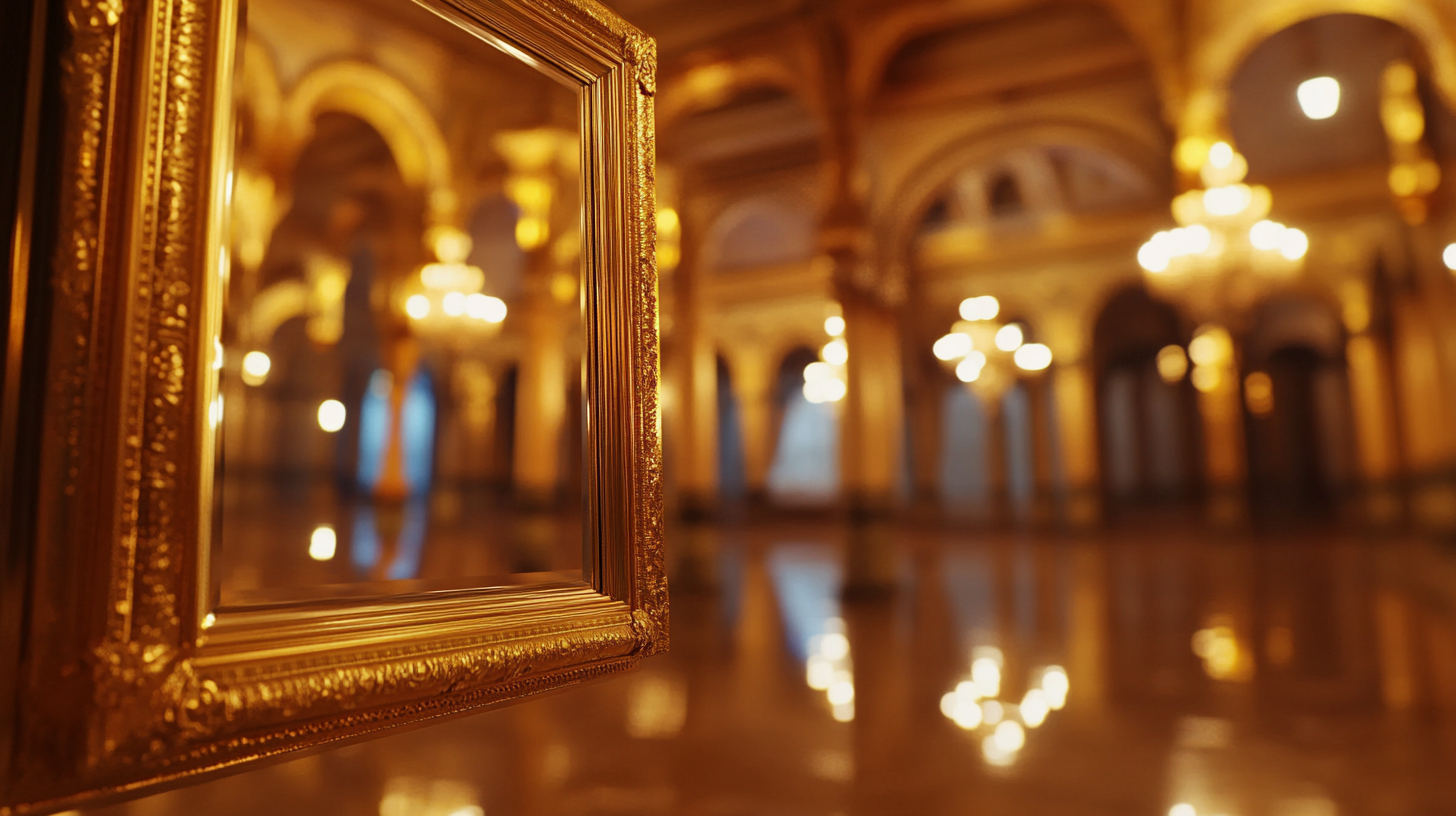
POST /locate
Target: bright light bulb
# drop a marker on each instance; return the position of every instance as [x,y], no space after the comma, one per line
[331,415]
[484,307]
[967,714]
[322,543]
[1449,256]
[1032,357]
[1153,257]
[1228,200]
[1319,98]
[969,370]
[984,307]
[835,646]
[953,345]
[835,352]
[1266,235]
[417,307]
[835,390]
[1034,708]
[841,692]
[1293,244]
[834,326]
[1009,337]
[1221,155]
[1010,736]
[256,366]
[1182,809]
[987,676]
[454,304]
[1054,682]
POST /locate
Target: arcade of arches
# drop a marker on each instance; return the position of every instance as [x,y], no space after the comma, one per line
[1265,472]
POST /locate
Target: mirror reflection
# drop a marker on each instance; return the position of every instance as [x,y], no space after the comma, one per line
[401,387]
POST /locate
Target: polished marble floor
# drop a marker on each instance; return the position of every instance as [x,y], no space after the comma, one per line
[1164,670]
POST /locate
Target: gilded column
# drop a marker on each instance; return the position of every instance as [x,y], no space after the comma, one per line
[753,385]
[1075,400]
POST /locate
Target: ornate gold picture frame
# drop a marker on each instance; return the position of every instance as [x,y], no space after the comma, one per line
[127,675]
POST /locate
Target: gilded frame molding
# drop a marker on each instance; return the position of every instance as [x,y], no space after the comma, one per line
[123,687]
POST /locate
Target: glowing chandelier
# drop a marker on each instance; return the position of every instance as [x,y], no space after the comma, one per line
[1225,248]
[983,352]
[444,298]
[825,380]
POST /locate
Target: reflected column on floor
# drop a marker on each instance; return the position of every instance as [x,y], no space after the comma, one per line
[881,704]
[1374,413]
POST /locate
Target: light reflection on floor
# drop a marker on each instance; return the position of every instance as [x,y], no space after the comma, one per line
[1275,675]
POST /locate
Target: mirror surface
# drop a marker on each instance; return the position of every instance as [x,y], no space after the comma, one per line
[401,386]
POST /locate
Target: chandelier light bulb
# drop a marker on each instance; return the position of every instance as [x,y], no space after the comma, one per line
[835,352]
[1319,98]
[1221,155]
[984,307]
[1293,244]
[1266,235]
[834,326]
[323,543]
[1009,337]
[1033,357]
[417,307]
[952,346]
[331,416]
[1449,256]
[256,366]
[453,304]
[969,371]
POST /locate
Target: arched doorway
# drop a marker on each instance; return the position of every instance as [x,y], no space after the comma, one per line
[805,469]
[1147,413]
[1297,409]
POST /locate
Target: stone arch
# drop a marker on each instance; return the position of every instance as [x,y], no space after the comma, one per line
[760,230]
[1144,24]
[706,87]
[390,107]
[900,217]
[1241,31]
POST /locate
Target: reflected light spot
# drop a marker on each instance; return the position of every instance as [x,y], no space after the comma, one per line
[986,674]
[323,543]
[208,620]
[967,714]
[331,415]
[1182,809]
[1009,337]
[468,810]
[1009,736]
[834,646]
[1172,364]
[1033,357]
[844,712]
[841,691]
[953,345]
[835,352]
[1319,98]
[994,754]
[834,326]
[1055,683]
[256,366]
[657,708]
[417,307]
[992,712]
[1449,256]
[1034,708]
[819,673]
